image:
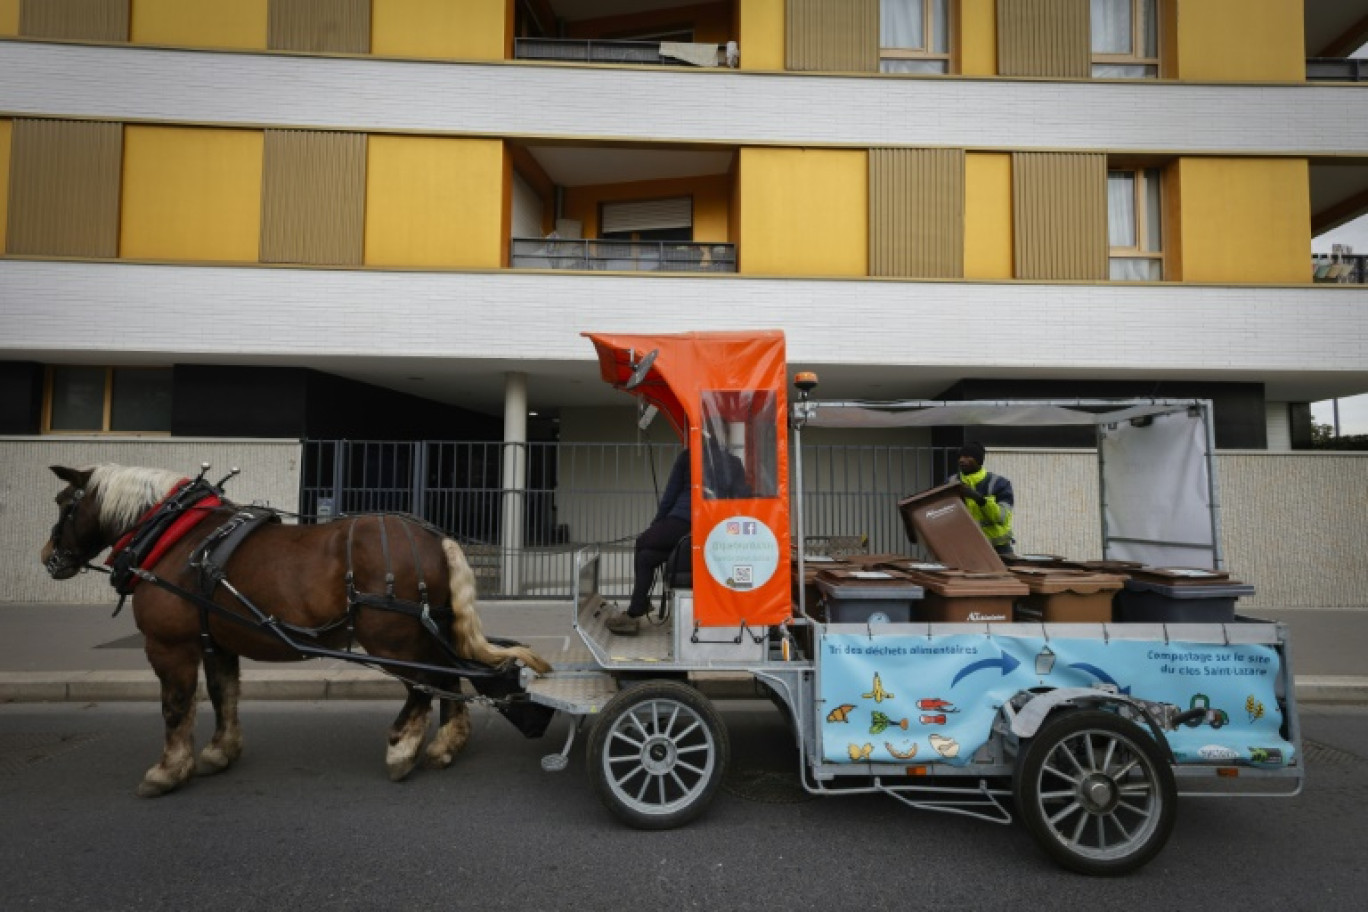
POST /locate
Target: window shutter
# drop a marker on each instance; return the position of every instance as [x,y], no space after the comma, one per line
[647,215]
[1059,215]
[838,35]
[64,188]
[916,213]
[313,198]
[1044,38]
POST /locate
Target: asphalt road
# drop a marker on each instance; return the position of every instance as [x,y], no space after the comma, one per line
[308,820]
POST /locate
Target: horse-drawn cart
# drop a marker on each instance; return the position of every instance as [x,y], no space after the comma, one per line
[1091,729]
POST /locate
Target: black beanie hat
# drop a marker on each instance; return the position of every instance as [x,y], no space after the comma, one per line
[974,450]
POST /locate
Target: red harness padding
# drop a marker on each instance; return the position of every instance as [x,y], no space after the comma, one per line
[189,518]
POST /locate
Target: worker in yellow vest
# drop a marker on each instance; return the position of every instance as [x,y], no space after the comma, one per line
[987,496]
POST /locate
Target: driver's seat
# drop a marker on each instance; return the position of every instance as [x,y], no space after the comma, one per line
[679,566]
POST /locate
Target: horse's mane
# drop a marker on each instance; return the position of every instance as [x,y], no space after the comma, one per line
[124,493]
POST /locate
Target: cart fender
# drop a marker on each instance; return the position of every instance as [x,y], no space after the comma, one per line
[1028,719]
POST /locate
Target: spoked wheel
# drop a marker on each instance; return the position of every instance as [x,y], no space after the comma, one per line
[657,753]
[1097,793]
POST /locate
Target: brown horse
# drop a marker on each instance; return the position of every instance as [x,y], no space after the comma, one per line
[331,585]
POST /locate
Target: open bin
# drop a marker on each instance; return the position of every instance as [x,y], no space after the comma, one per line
[1180,595]
[1063,595]
[874,596]
[938,519]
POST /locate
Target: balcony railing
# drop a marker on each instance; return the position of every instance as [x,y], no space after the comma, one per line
[591,51]
[1343,269]
[622,256]
[1337,69]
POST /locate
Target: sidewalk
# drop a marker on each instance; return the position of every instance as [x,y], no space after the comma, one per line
[80,653]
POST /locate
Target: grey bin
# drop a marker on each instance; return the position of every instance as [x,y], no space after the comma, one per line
[1143,601]
[852,603]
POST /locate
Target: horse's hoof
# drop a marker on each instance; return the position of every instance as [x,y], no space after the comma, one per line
[213,760]
[438,759]
[150,788]
[398,771]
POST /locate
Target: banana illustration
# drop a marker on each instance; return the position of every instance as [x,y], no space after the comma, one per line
[878,694]
[901,754]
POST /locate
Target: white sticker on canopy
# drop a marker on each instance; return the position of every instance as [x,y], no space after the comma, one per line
[741,553]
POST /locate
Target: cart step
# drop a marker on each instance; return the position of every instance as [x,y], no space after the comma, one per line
[577,694]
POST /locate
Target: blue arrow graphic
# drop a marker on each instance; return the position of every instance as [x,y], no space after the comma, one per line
[1100,675]
[1006,663]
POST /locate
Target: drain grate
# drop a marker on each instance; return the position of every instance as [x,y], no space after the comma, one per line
[20,751]
[1317,753]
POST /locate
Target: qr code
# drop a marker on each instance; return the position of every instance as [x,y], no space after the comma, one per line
[743,574]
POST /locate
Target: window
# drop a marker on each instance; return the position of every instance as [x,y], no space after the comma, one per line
[740,450]
[95,400]
[1125,39]
[914,36]
[1133,225]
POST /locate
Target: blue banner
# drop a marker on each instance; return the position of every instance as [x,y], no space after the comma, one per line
[932,699]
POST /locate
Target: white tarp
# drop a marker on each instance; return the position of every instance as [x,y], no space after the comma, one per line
[1155,480]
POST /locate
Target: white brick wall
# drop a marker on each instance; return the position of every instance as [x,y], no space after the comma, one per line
[518,99]
[54,311]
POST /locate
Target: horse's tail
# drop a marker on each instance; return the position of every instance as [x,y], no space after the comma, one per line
[467,634]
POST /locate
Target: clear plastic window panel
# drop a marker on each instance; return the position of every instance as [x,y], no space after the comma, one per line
[740,445]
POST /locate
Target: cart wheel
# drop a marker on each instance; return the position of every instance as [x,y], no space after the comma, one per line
[657,753]
[1096,792]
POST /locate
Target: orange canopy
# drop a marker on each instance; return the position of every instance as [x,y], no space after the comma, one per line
[724,394]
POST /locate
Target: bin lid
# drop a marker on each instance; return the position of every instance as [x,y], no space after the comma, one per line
[960,584]
[901,589]
[1053,580]
[1183,576]
[1231,589]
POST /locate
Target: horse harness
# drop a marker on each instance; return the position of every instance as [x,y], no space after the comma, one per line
[192,501]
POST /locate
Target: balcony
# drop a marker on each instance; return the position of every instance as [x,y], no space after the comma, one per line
[1340,269]
[650,53]
[1337,69]
[621,256]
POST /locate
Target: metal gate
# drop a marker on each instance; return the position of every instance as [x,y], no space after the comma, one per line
[521,541]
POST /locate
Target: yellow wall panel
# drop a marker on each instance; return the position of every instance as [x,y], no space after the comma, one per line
[1241,41]
[804,212]
[711,201]
[191,194]
[200,23]
[469,30]
[978,37]
[760,36]
[987,216]
[434,201]
[9,17]
[6,131]
[1245,220]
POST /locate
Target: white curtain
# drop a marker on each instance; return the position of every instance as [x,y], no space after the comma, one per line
[1121,209]
[1111,27]
[901,24]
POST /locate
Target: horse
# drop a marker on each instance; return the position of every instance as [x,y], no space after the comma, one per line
[217,593]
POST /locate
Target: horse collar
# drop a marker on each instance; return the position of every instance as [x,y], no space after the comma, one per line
[166,523]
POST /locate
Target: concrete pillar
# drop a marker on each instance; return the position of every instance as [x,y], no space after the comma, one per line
[514,479]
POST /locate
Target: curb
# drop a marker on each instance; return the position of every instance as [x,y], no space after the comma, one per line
[352,684]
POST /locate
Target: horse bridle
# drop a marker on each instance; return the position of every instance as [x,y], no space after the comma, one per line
[64,557]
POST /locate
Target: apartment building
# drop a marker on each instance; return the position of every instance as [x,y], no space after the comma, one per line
[393,218]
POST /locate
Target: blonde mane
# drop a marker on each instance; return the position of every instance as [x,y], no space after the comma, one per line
[124,493]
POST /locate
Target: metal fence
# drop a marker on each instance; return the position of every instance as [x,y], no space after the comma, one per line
[605,51]
[521,542]
[1337,69]
[621,256]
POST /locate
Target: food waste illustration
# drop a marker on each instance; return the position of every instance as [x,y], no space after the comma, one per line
[934,698]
